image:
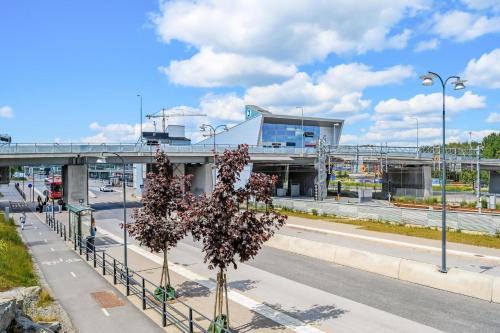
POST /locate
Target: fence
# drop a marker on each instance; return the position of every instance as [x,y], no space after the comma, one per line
[487,223]
[20,191]
[186,319]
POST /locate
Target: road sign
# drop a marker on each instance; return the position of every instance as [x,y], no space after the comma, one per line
[30,185]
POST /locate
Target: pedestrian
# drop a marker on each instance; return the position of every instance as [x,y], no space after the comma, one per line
[93,233]
[22,219]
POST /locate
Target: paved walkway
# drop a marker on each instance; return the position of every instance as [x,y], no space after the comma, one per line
[467,257]
[74,282]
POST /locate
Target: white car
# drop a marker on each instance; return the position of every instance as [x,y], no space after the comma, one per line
[106,188]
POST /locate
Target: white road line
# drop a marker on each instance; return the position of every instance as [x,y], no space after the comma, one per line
[45,240]
[105,312]
[260,308]
[73,274]
[39,234]
[393,242]
[52,249]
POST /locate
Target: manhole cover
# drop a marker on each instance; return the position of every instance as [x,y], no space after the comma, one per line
[107,299]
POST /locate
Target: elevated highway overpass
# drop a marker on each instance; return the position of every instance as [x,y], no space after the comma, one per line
[197,158]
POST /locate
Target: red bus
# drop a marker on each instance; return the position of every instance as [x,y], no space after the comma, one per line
[54,186]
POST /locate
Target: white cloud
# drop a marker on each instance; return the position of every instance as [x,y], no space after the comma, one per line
[483,4]
[337,90]
[209,69]
[112,133]
[463,26]
[426,45]
[485,71]
[6,112]
[357,117]
[428,104]
[299,31]
[493,117]
[223,107]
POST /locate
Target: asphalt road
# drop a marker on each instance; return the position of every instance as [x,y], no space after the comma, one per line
[283,270]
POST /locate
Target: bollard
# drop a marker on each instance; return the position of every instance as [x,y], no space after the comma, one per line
[65,232]
[74,241]
[191,320]
[164,309]
[57,226]
[114,271]
[95,261]
[127,282]
[143,294]
[86,251]
[103,263]
[80,245]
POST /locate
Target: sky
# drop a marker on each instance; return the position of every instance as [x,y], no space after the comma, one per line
[70,71]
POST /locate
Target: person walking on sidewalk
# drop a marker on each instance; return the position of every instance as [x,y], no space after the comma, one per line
[93,233]
[22,219]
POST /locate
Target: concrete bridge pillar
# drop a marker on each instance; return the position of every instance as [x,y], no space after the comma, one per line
[75,184]
[139,176]
[494,186]
[202,177]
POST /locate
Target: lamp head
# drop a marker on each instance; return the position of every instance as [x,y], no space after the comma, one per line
[427,79]
[459,84]
[203,128]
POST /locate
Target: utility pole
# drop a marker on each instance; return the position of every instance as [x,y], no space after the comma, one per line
[478,178]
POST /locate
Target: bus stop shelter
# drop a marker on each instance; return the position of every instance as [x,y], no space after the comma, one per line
[79,221]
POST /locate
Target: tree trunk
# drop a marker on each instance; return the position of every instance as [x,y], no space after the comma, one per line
[221,299]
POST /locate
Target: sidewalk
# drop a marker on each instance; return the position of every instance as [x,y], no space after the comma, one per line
[466,257]
[75,285]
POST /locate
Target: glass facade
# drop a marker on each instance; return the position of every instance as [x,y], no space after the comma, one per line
[285,135]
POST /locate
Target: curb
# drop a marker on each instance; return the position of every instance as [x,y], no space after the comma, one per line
[485,287]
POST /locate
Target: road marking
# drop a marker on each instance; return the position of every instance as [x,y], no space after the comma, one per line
[52,249]
[73,274]
[260,308]
[45,240]
[105,312]
[39,234]
[393,242]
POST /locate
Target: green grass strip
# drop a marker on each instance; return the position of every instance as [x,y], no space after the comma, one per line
[16,267]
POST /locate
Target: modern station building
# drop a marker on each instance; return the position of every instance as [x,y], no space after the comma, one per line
[298,171]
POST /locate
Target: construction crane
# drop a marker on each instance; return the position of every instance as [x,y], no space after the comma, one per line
[165,116]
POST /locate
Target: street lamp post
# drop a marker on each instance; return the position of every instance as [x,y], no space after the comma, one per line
[478,178]
[428,80]
[124,211]
[212,132]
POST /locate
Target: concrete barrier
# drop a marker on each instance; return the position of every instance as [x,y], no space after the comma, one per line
[456,280]
[304,247]
[371,262]
[495,295]
[482,286]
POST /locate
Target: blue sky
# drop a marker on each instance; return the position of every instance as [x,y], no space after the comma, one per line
[70,71]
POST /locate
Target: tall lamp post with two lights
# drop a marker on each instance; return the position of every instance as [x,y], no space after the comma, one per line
[212,132]
[428,80]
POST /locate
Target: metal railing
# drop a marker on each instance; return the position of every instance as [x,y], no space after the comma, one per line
[186,319]
[453,154]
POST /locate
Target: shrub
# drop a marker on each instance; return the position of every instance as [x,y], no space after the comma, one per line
[314,212]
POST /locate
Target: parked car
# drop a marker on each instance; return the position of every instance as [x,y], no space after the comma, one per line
[106,188]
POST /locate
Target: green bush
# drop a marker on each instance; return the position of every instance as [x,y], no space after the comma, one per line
[314,212]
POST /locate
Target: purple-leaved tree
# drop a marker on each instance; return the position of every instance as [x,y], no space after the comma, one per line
[226,225]
[158,224]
